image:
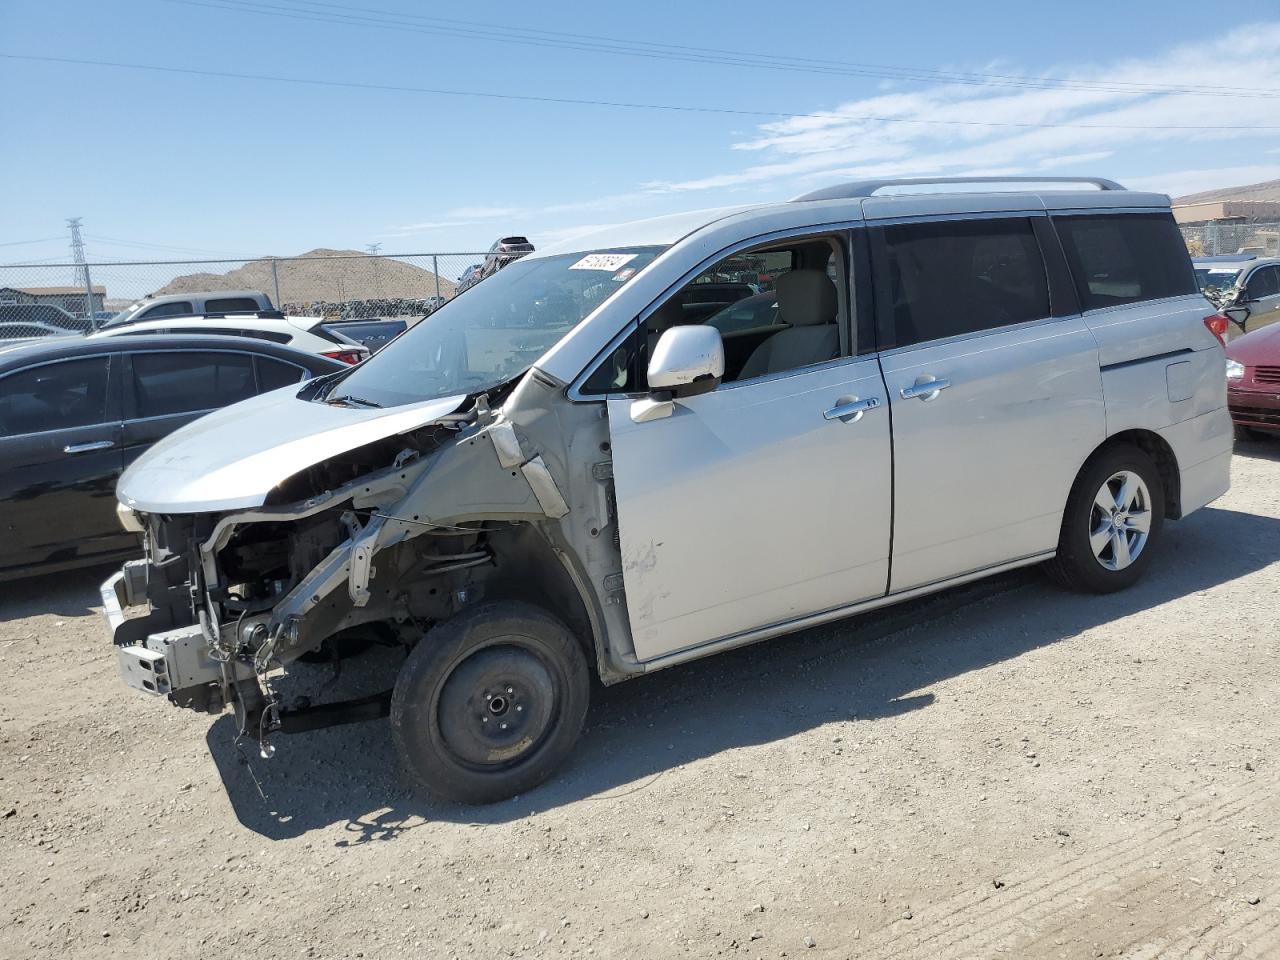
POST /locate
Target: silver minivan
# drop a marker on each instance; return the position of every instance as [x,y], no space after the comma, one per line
[675,437]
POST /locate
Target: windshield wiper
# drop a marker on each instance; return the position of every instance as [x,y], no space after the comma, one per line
[353,401]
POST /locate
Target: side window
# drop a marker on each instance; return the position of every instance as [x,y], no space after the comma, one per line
[273,374]
[777,308]
[180,308]
[54,396]
[943,279]
[1264,282]
[231,305]
[1126,257]
[169,383]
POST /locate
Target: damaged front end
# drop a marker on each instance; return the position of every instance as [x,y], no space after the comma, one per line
[393,535]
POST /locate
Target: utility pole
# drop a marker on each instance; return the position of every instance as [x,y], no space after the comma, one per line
[77,254]
[373,249]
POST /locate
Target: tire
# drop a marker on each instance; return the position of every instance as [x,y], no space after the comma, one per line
[1247,433]
[490,703]
[1091,557]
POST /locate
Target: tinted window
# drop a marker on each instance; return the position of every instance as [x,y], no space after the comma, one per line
[54,396]
[273,374]
[180,308]
[166,383]
[232,305]
[1126,257]
[1264,282]
[938,280]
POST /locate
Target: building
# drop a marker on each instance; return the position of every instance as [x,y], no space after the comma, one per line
[70,299]
[1232,219]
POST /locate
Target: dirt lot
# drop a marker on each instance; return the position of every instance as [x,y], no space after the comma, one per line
[1007,770]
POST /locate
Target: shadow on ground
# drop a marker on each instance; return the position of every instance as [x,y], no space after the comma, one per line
[868,667]
[73,593]
[1261,446]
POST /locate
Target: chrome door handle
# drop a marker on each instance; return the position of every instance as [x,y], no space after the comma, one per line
[925,390]
[88,447]
[852,410]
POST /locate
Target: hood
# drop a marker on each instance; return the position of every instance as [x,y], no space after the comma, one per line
[234,457]
[1258,347]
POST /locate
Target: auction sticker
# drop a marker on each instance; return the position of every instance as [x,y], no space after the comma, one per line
[603,261]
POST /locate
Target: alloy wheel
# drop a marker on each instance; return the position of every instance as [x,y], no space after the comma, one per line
[1120,521]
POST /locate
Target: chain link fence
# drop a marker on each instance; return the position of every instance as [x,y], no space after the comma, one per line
[45,298]
[1215,238]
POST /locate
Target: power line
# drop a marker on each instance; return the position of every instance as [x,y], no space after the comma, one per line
[118,241]
[29,243]
[619,104]
[399,21]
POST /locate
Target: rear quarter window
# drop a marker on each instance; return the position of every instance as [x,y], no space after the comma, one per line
[232,305]
[1126,258]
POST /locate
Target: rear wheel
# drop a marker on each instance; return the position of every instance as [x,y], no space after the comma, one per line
[1114,518]
[490,703]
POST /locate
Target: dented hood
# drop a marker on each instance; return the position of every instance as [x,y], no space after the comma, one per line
[233,458]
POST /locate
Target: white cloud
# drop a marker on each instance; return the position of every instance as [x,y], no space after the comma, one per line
[1181,182]
[1003,127]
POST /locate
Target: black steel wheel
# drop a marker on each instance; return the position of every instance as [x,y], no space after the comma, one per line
[490,703]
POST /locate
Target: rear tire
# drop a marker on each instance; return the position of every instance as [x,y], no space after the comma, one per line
[490,703]
[1112,524]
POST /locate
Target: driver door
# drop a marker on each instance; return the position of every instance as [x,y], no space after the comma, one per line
[757,504]
[747,508]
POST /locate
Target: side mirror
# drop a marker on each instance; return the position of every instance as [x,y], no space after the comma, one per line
[1238,314]
[686,362]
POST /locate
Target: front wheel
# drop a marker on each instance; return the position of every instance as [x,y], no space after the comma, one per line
[489,704]
[1113,520]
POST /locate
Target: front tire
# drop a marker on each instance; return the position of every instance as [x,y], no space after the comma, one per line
[490,703]
[1113,521]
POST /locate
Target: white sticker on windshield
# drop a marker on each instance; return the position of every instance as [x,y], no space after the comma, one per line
[603,261]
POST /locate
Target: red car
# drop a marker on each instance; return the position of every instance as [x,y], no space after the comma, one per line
[1253,380]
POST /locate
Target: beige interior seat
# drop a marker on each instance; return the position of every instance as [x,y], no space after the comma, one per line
[808,302]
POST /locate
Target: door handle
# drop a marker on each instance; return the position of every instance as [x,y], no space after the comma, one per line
[851,410]
[925,390]
[88,447]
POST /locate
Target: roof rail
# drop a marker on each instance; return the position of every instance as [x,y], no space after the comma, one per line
[869,188]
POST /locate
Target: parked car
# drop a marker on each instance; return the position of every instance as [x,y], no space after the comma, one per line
[1243,280]
[470,277]
[557,473]
[301,333]
[1253,382]
[192,305]
[505,250]
[31,331]
[374,332]
[25,320]
[75,411]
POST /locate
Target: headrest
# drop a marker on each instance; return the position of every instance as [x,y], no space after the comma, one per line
[806,298]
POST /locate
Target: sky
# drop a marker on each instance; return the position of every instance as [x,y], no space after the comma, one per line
[343,146]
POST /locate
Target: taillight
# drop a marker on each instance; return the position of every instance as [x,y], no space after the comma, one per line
[354,356]
[1217,325]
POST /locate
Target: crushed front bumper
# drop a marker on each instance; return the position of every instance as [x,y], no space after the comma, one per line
[155,655]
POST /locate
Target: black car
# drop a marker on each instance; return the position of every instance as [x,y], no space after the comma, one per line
[74,412]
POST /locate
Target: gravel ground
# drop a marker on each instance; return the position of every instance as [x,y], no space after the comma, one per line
[1005,770]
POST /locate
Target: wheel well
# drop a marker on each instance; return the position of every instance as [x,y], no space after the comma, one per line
[527,568]
[1158,449]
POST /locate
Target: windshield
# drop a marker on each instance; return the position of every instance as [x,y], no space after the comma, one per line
[1224,278]
[493,331]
